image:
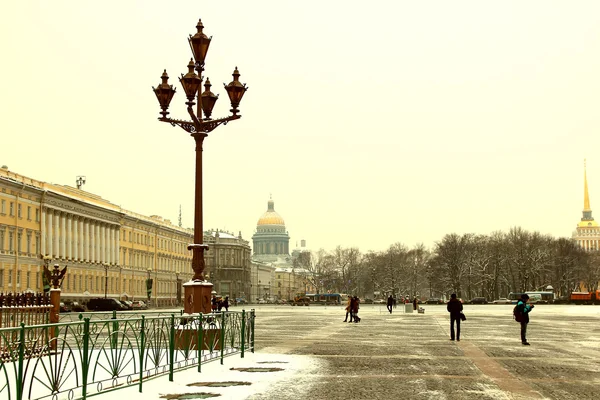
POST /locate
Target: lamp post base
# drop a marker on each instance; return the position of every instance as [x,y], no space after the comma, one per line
[197,297]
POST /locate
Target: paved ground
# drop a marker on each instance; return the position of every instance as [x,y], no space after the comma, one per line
[409,356]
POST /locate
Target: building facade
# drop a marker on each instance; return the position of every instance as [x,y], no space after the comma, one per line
[109,251]
[228,264]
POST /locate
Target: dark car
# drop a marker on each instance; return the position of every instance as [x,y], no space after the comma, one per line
[479,300]
[434,300]
[75,306]
[101,304]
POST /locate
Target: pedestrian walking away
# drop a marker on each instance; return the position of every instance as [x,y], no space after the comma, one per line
[390,303]
[521,312]
[354,307]
[226,303]
[455,308]
[349,309]
[415,303]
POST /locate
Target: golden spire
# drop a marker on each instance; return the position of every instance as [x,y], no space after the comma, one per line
[586,195]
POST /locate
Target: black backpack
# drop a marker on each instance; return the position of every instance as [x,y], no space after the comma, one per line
[517,314]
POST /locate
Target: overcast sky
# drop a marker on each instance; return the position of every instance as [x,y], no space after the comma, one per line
[370,123]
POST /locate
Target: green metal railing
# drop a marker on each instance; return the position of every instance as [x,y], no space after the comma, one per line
[84,358]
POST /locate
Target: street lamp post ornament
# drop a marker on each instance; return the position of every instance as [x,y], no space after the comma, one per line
[198,127]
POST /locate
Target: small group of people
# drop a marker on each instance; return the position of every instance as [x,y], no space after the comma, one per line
[352,309]
[455,308]
[219,303]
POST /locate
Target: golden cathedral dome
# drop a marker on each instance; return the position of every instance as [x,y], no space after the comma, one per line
[270,217]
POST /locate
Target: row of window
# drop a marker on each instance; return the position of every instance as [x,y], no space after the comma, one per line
[11,210]
[10,246]
[75,283]
[147,240]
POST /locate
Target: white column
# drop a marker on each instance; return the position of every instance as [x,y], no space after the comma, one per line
[81,238]
[103,243]
[48,247]
[43,231]
[92,232]
[63,235]
[87,239]
[55,253]
[111,247]
[98,240]
[118,246]
[69,236]
[75,222]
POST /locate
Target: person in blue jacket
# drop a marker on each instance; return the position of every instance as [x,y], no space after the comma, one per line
[524,309]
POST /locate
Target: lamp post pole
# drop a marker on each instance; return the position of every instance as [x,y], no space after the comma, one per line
[106,267]
[197,294]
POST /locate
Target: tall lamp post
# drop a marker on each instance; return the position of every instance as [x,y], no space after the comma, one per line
[197,291]
[106,267]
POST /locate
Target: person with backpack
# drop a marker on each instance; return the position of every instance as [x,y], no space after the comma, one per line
[455,308]
[521,314]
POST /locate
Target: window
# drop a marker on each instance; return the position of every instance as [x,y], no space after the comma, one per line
[28,279]
[37,245]
[3,207]
[19,208]
[10,241]
[29,214]
[1,239]
[28,248]
[12,209]
[19,242]
[18,277]
[37,215]
[1,277]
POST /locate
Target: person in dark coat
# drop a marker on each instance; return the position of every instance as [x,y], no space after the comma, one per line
[390,303]
[349,309]
[226,303]
[524,309]
[415,303]
[214,303]
[454,307]
[354,307]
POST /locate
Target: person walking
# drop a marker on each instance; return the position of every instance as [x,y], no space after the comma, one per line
[415,303]
[455,308]
[524,309]
[226,303]
[354,307]
[349,309]
[390,303]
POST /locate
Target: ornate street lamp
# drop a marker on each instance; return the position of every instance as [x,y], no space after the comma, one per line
[197,297]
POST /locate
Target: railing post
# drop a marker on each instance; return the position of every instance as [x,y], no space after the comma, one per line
[115,325]
[243,333]
[85,362]
[172,348]
[222,336]
[142,350]
[252,316]
[20,367]
[200,341]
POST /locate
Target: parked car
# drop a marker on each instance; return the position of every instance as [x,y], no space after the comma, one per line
[262,301]
[434,300]
[128,304]
[367,301]
[75,306]
[240,301]
[379,301]
[64,308]
[502,300]
[105,304]
[139,305]
[478,300]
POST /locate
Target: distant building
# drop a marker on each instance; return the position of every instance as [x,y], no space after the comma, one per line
[587,233]
[228,264]
[271,241]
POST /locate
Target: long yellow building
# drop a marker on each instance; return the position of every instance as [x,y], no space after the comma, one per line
[108,250]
